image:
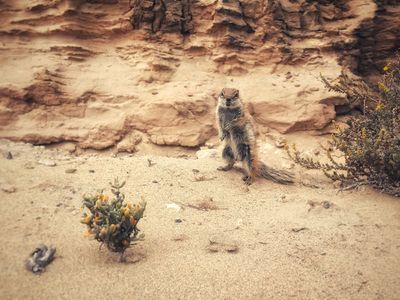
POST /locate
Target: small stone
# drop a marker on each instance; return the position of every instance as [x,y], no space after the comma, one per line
[174,206]
[280,142]
[8,188]
[178,220]
[9,155]
[213,248]
[47,162]
[129,143]
[91,171]
[222,244]
[203,177]
[326,204]
[207,153]
[70,171]
[180,238]
[309,183]
[64,158]
[29,166]
[68,147]
[231,248]
[283,199]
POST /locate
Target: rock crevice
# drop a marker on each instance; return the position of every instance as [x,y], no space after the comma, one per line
[162,15]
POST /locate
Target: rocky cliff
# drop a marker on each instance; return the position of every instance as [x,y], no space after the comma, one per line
[117,73]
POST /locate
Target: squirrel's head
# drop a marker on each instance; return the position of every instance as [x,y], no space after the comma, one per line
[229,98]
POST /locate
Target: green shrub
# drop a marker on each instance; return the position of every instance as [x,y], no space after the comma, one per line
[371,143]
[112,222]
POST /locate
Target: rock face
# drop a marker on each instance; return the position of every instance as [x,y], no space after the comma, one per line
[164,15]
[377,38]
[105,73]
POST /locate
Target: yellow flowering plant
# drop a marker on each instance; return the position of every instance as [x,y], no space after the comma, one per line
[112,222]
[370,146]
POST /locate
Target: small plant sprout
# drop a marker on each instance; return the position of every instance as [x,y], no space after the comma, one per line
[113,221]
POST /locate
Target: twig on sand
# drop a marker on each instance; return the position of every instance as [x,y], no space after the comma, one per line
[299,229]
[352,186]
[362,285]
[204,205]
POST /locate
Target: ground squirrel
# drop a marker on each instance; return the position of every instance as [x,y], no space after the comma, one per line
[236,131]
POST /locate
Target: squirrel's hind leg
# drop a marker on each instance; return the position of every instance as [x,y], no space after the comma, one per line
[245,158]
[228,155]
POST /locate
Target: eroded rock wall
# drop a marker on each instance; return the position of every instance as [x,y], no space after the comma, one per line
[377,38]
[105,72]
[162,15]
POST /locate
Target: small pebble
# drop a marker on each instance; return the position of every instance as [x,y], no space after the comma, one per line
[326,204]
[29,166]
[8,188]
[47,162]
[280,142]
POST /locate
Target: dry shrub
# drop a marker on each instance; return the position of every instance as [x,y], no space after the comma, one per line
[371,144]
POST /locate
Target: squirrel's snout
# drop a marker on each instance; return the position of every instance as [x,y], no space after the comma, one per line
[228,102]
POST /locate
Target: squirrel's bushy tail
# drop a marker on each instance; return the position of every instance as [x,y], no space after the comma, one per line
[279,176]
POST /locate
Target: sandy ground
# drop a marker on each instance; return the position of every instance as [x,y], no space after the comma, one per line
[288,245]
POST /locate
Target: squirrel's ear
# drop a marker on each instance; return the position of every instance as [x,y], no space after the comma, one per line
[237,93]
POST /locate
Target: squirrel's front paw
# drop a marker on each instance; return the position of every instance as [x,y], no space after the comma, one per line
[224,135]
